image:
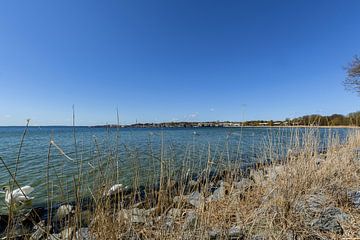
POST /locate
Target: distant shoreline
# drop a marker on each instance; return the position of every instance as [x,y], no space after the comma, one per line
[302,126]
[198,127]
[193,127]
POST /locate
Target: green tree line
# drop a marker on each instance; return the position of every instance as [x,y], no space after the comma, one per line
[352,119]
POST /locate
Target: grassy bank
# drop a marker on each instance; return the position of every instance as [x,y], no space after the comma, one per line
[307,195]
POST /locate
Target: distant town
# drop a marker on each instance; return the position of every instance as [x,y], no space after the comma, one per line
[351,119]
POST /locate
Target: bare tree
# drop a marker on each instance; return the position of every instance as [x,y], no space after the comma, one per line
[352,81]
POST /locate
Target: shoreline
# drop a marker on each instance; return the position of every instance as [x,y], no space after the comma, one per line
[189,127]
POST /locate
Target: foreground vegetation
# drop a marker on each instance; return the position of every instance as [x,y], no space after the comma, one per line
[308,194]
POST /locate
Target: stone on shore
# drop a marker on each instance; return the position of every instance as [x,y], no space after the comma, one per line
[138,215]
[214,233]
[218,194]
[195,199]
[330,220]
[235,232]
[320,215]
[40,230]
[354,197]
[312,205]
[64,211]
[258,237]
[84,234]
[54,236]
[134,215]
[243,185]
[170,217]
[190,220]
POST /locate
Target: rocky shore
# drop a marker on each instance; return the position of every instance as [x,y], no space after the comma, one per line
[184,214]
[307,196]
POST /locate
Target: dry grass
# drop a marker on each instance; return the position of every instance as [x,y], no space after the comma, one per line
[272,206]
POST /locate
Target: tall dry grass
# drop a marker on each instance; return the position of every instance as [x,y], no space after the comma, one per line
[272,205]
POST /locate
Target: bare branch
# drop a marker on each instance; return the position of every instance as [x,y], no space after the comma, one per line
[352,81]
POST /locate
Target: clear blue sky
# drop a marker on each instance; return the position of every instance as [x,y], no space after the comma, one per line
[174,60]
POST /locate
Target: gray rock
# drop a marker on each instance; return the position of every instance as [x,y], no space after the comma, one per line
[169,219]
[174,212]
[290,235]
[243,185]
[168,223]
[195,199]
[84,234]
[40,230]
[214,233]
[235,232]
[138,215]
[320,215]
[54,237]
[137,205]
[177,199]
[218,194]
[329,220]
[312,205]
[354,197]
[190,220]
[258,237]
[134,215]
[150,211]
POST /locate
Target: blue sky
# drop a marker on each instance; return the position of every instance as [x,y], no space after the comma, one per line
[174,60]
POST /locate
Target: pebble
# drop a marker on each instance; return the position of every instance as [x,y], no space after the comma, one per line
[235,232]
[218,194]
[190,220]
[195,199]
[40,231]
[354,197]
[84,234]
[214,233]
